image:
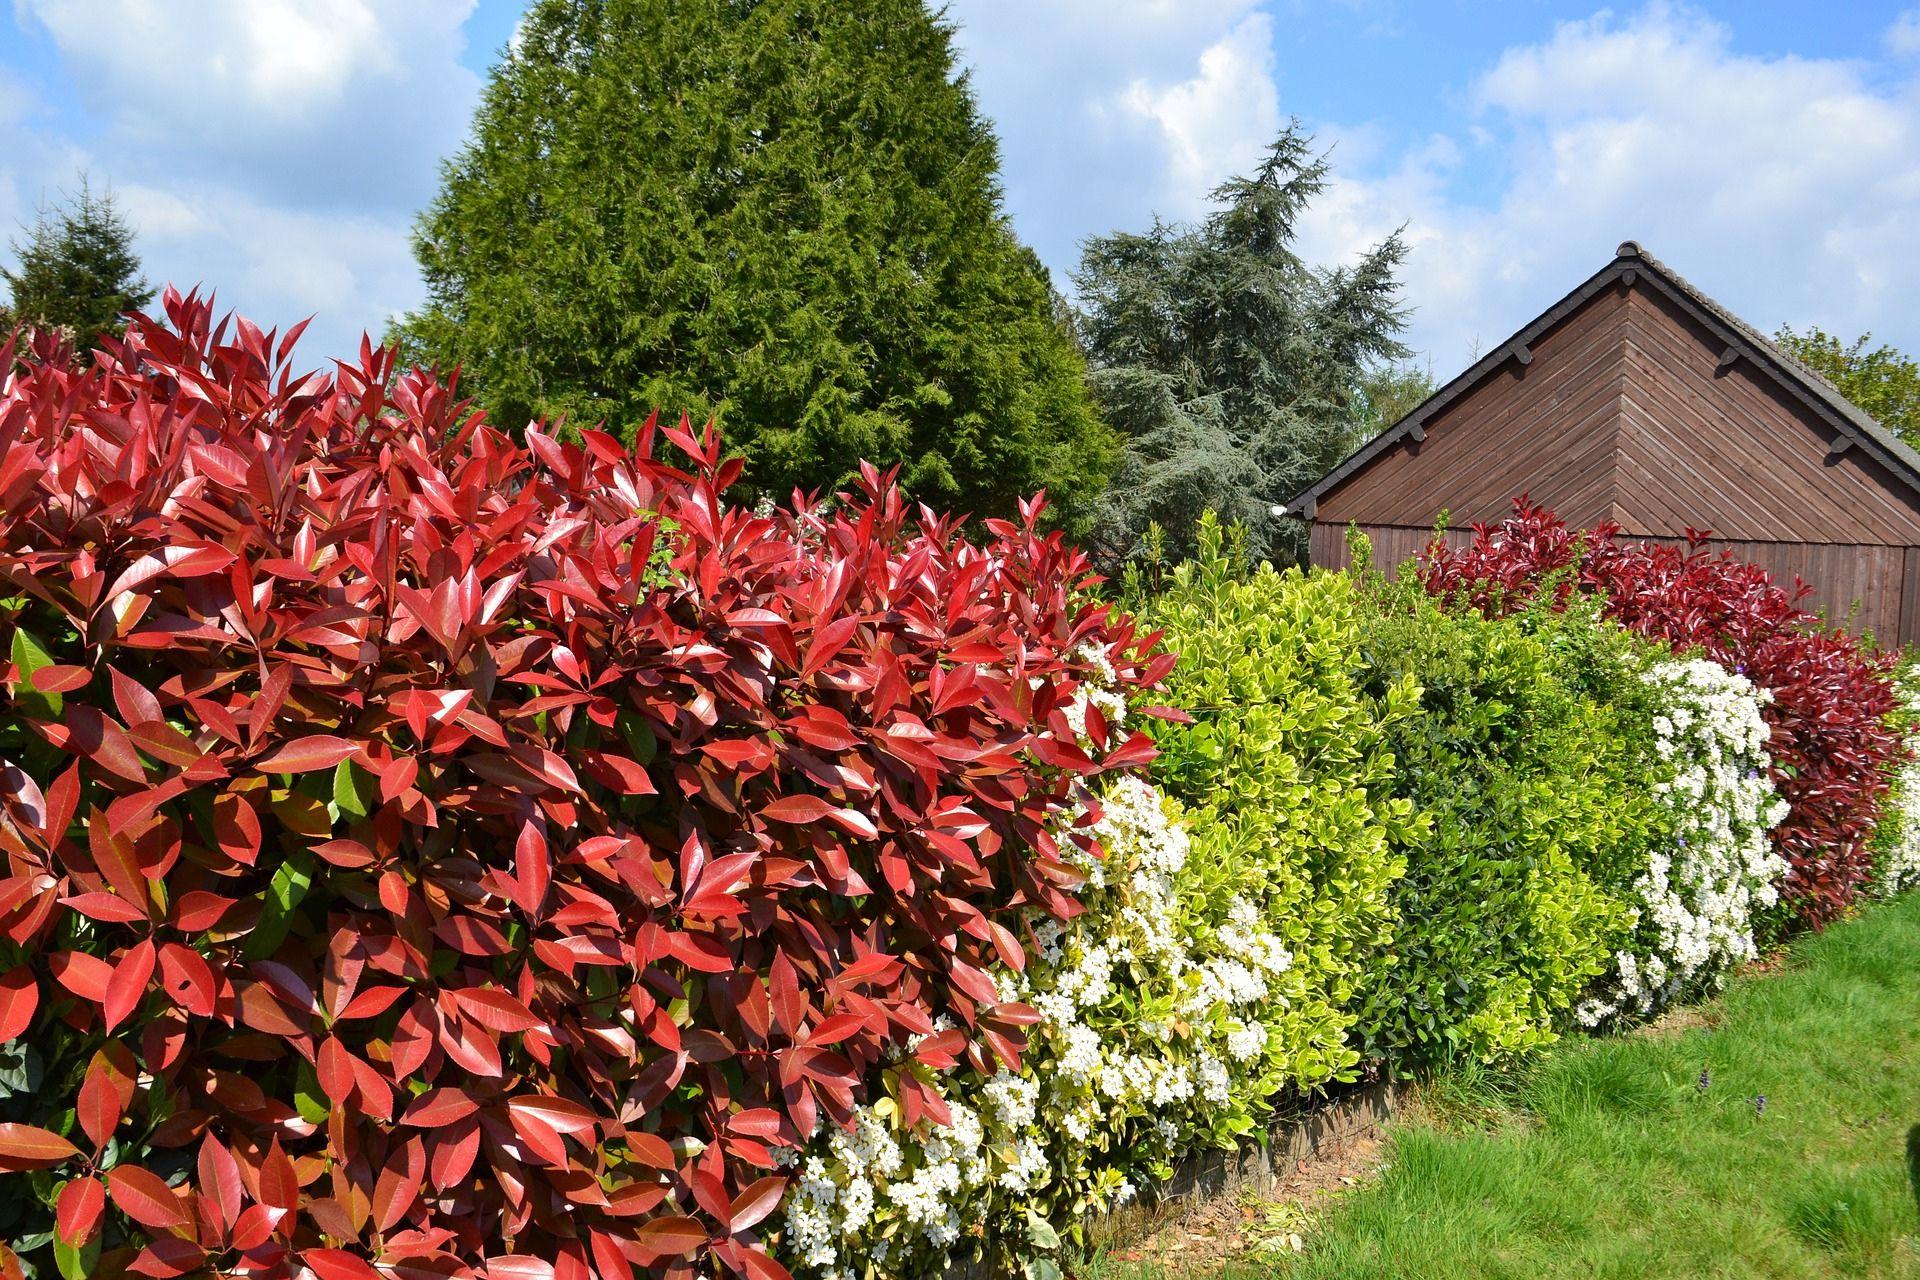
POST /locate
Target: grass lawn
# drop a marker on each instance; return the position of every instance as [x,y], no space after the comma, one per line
[1607,1160]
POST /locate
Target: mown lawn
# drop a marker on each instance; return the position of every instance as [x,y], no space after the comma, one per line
[1608,1159]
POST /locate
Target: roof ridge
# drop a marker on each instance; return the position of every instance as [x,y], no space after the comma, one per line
[1628,258]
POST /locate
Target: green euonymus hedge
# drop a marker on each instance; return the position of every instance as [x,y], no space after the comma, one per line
[1443,814]
[1288,781]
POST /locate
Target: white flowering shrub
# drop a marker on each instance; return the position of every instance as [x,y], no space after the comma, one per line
[1897,842]
[1698,895]
[1151,1022]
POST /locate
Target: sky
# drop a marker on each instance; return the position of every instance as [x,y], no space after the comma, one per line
[277,151]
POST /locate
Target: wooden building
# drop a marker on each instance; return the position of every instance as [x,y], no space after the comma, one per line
[1638,399]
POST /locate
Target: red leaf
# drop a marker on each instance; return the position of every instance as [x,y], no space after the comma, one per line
[145,1198]
[220,1184]
[76,1214]
[439,1108]
[335,1070]
[674,1237]
[19,998]
[23,1147]
[496,1010]
[168,1258]
[129,983]
[758,1201]
[100,1106]
[760,1266]
[279,1183]
[237,828]
[304,755]
[799,810]
[338,1264]
[558,1113]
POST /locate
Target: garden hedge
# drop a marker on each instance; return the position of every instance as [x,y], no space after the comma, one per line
[1834,745]
[482,856]
[437,853]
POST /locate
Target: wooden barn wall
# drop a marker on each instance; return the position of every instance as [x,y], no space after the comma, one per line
[1864,587]
[1729,449]
[1546,428]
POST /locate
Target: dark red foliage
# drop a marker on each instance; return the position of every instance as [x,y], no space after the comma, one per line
[570,837]
[1832,746]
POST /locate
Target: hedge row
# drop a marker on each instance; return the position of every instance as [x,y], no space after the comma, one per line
[432,854]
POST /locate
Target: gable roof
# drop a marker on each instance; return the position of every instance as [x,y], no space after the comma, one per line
[1632,265]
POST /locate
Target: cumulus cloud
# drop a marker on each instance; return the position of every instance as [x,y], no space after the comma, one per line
[1110,111]
[1787,187]
[273,150]
[1216,122]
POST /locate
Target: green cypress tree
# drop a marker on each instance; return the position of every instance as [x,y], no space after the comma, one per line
[1236,373]
[78,269]
[785,213]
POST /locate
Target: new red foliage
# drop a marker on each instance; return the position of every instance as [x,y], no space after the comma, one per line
[1832,746]
[477,857]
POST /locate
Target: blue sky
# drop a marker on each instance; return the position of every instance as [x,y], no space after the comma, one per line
[277,150]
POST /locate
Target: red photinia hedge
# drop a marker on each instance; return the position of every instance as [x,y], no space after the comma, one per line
[1832,747]
[475,857]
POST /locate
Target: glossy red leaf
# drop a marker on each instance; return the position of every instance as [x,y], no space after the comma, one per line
[78,1209]
[145,1197]
[304,755]
[23,1146]
[19,998]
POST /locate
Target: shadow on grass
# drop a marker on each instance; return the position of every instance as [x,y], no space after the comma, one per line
[1913,1164]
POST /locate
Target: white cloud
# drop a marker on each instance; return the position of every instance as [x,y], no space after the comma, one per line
[1903,36]
[1217,122]
[1787,187]
[275,58]
[1096,101]
[273,150]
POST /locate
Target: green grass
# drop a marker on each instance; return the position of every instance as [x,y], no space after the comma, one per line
[1605,1160]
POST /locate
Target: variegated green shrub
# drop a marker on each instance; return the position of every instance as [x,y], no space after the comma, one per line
[1287,779]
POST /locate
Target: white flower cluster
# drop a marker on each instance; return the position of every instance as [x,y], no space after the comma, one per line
[1899,840]
[1697,900]
[1149,1018]
[1097,690]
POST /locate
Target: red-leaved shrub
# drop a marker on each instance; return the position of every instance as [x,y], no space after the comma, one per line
[475,857]
[1832,746]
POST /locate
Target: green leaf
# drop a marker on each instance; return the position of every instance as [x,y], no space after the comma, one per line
[289,885]
[77,1264]
[346,791]
[1041,1232]
[308,1098]
[29,655]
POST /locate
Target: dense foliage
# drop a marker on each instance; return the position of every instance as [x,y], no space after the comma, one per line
[1832,747]
[440,855]
[1713,870]
[77,270]
[432,849]
[1236,372]
[1536,803]
[783,213]
[1896,844]
[1288,779]
[1882,380]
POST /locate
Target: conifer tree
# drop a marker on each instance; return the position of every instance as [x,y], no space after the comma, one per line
[785,213]
[77,269]
[1236,373]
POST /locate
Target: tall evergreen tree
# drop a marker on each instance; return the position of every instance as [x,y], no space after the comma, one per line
[1236,373]
[782,212]
[78,269]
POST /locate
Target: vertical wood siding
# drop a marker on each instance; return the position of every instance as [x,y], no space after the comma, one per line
[1861,587]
